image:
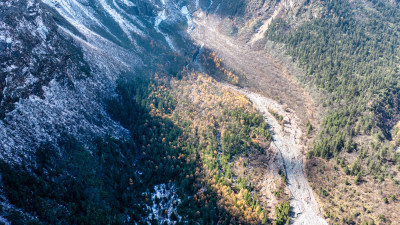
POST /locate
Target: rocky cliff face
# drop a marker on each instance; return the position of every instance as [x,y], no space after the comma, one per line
[33,53]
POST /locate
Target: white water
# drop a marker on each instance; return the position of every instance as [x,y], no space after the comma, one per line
[186,13]
[161,16]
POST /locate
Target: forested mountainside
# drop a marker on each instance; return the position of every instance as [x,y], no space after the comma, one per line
[199,112]
[350,54]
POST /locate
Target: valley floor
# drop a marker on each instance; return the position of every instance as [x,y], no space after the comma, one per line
[268,77]
[264,73]
[286,140]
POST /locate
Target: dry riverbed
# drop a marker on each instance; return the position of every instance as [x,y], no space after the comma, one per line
[270,78]
[287,141]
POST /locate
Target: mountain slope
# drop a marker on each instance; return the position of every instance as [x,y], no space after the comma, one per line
[350,54]
[95,148]
[108,116]
[48,88]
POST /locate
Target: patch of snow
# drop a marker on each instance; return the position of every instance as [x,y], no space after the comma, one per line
[164,204]
[4,221]
[128,3]
[31,3]
[125,25]
[74,11]
[109,57]
[41,28]
[189,18]
[87,19]
[133,18]
[11,68]
[30,80]
[161,16]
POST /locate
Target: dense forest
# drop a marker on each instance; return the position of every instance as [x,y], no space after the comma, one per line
[350,54]
[172,149]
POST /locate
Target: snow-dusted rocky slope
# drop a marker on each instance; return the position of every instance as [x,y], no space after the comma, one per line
[48,88]
[59,60]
